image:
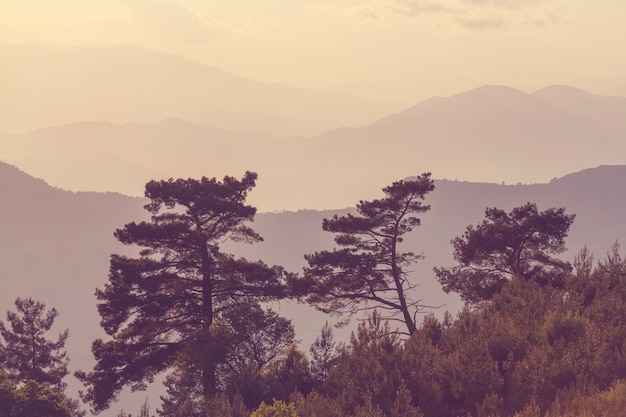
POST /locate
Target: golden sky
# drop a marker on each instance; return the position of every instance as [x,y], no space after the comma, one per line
[397,50]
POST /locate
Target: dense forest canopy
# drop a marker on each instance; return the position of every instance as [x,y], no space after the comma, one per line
[544,338]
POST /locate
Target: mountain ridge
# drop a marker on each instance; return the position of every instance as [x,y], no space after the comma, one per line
[490,133]
[141,85]
[56,244]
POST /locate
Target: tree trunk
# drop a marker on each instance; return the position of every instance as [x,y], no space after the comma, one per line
[208,360]
[408,320]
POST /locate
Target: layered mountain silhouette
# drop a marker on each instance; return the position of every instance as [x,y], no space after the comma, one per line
[606,110]
[491,133]
[44,85]
[56,244]
[104,121]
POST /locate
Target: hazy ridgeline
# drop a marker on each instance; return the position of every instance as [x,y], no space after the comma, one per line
[56,247]
[102,122]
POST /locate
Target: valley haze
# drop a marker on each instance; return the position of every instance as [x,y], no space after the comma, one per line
[503,101]
[141,125]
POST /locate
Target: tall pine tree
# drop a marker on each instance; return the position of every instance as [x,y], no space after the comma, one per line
[167,301]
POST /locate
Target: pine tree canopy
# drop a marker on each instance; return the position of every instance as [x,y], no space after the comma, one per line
[158,304]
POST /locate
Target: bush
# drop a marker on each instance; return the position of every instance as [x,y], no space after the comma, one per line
[277,409]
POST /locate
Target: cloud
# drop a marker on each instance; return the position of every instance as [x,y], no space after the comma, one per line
[505,4]
[413,8]
[542,21]
[171,20]
[376,9]
[472,15]
[371,10]
[482,23]
[511,14]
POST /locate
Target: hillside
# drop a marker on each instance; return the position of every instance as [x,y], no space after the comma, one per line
[56,244]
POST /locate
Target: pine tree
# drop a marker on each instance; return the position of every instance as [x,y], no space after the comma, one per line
[504,245]
[26,353]
[324,352]
[167,301]
[369,271]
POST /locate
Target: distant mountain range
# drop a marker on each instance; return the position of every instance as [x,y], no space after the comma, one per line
[104,121]
[55,244]
[491,134]
[44,85]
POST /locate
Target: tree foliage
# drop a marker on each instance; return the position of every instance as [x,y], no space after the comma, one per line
[369,270]
[255,337]
[550,341]
[31,398]
[277,409]
[324,353]
[533,350]
[367,373]
[27,353]
[519,243]
[169,298]
[257,342]
[250,341]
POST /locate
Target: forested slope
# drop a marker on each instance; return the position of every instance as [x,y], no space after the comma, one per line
[56,247]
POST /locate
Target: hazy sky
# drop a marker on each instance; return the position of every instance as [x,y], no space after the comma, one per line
[391,49]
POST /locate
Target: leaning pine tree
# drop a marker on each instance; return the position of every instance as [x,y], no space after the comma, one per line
[166,303]
[369,270]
